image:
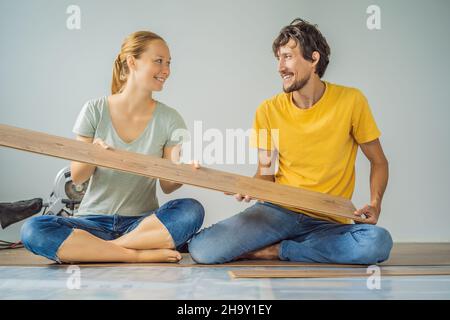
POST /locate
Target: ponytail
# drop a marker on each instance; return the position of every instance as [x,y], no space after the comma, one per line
[118,80]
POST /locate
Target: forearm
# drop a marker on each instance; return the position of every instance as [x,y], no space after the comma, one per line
[172,153]
[379,175]
[168,186]
[267,177]
[81,172]
[266,165]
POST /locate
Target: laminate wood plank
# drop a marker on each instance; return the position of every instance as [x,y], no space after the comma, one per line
[317,273]
[150,166]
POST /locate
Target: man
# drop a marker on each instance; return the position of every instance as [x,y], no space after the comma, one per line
[320,126]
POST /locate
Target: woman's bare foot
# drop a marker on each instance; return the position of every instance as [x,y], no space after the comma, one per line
[267,253]
[149,234]
[158,255]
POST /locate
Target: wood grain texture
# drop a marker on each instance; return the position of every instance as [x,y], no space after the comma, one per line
[402,254]
[153,167]
[318,273]
[24,258]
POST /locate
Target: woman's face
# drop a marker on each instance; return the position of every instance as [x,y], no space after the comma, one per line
[152,68]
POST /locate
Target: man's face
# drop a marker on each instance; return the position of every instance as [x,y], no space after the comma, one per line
[293,68]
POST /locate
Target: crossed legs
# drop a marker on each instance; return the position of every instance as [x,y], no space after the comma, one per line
[153,239]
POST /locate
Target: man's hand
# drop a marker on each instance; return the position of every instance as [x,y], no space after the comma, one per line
[195,164]
[239,197]
[371,213]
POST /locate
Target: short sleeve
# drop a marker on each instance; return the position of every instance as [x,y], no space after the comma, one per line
[87,120]
[261,135]
[364,128]
[177,132]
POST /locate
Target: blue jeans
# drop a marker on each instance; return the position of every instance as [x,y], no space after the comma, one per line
[302,238]
[43,235]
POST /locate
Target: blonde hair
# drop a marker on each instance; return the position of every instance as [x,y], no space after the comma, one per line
[134,45]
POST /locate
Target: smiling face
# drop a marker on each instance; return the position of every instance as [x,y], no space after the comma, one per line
[294,69]
[152,68]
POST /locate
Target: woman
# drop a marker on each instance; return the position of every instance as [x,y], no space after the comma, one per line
[119,219]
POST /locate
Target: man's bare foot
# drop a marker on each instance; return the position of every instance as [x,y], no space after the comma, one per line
[158,255]
[267,253]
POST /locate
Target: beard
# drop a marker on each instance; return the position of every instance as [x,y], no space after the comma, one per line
[297,85]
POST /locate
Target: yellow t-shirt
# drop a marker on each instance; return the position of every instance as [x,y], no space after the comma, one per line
[317,147]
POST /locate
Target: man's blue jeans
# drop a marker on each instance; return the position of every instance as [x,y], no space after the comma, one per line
[43,235]
[302,238]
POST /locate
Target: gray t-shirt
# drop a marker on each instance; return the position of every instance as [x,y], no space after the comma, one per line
[115,192]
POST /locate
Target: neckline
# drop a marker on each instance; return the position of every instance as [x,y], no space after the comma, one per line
[314,106]
[149,123]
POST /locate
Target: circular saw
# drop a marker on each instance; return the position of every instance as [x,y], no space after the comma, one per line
[66,195]
[63,201]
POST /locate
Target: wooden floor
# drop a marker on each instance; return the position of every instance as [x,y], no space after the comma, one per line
[403,254]
[26,276]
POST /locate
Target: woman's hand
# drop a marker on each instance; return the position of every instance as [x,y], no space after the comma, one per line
[101,143]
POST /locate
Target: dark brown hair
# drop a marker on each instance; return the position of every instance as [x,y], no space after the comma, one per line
[308,38]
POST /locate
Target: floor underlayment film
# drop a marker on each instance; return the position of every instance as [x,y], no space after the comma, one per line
[26,276]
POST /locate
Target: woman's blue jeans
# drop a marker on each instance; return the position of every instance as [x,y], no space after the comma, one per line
[302,238]
[43,235]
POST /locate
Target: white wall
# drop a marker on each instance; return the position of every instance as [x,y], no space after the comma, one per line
[222,69]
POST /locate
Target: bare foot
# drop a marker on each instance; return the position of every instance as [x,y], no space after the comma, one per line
[149,234]
[147,242]
[267,253]
[158,255]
